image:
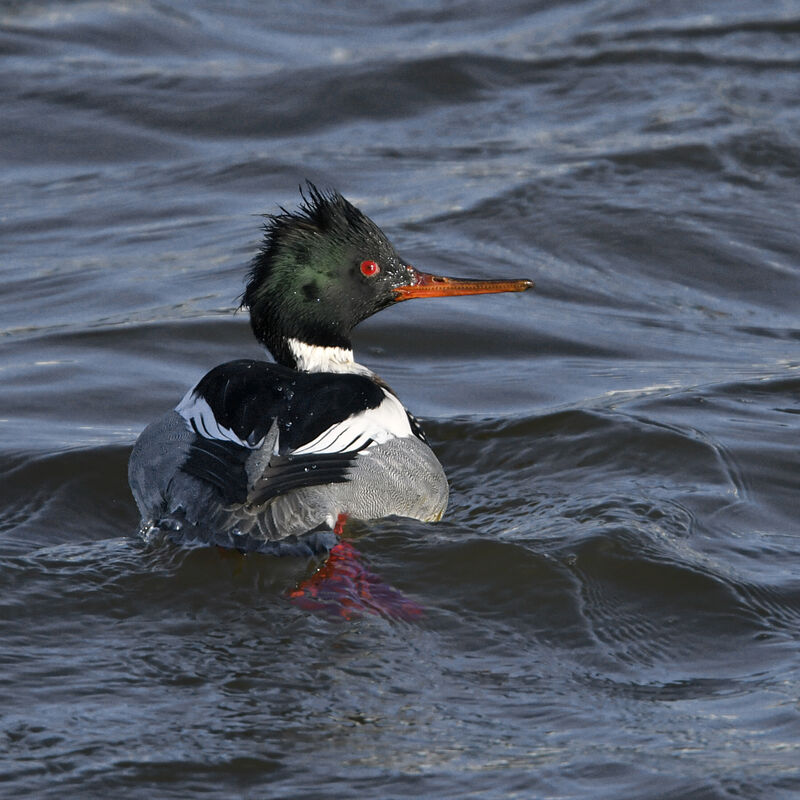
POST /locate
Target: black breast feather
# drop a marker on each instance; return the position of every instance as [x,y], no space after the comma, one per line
[248,397]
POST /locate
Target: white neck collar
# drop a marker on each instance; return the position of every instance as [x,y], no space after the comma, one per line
[315,358]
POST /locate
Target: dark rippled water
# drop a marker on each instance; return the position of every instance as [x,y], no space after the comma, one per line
[612,604]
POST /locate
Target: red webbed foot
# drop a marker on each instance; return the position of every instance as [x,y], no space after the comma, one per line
[345,586]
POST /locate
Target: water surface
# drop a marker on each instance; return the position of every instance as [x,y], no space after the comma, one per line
[612,603]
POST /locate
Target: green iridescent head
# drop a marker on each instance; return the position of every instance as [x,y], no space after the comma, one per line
[320,271]
[325,267]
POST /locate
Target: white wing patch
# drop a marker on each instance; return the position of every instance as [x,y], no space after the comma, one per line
[377,425]
[200,417]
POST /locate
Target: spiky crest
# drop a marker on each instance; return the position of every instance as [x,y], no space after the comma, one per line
[303,284]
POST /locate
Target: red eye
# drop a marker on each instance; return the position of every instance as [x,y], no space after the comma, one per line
[370,268]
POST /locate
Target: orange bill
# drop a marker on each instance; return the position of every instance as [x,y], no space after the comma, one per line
[426,285]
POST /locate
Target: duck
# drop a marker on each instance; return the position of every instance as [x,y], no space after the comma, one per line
[274,456]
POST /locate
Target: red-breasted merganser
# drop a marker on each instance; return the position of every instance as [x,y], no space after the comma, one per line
[268,456]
